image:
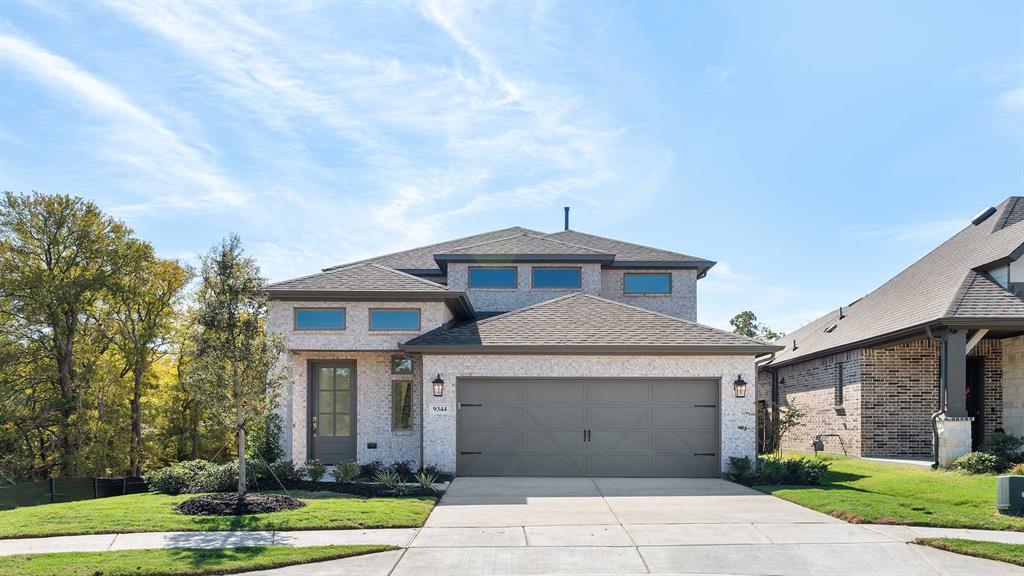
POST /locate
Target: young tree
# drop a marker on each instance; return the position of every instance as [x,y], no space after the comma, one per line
[234,354]
[143,311]
[59,255]
[790,416]
[745,324]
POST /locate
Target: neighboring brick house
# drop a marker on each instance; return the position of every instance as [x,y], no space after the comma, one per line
[869,375]
[514,353]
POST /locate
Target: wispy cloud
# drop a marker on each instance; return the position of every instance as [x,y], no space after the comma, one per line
[132,136]
[1012,100]
[914,234]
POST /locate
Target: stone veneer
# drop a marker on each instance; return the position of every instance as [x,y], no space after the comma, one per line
[737,425]
[890,395]
[524,294]
[681,303]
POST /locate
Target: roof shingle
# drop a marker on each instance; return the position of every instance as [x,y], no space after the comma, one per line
[368,277]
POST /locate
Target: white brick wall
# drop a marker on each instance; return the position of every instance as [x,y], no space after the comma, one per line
[681,303]
[357,335]
[503,299]
[738,422]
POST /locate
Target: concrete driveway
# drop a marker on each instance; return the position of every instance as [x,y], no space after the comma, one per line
[489,526]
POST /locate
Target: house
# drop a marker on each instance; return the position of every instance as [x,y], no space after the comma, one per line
[514,353]
[934,355]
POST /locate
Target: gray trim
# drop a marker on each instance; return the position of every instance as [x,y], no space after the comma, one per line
[613,350]
[515,276]
[698,264]
[295,319]
[419,320]
[533,277]
[627,293]
[311,370]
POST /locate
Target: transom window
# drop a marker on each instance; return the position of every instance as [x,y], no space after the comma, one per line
[394,319]
[401,405]
[319,318]
[487,277]
[647,283]
[554,277]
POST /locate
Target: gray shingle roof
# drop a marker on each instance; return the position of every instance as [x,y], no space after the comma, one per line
[940,285]
[368,277]
[524,244]
[583,322]
[626,251]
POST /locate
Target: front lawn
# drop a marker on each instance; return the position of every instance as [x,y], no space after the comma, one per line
[863,491]
[1009,553]
[174,561]
[154,513]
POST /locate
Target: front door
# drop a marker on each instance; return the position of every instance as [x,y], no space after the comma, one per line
[976,400]
[332,411]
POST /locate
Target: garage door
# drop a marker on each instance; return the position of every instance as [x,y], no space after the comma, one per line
[588,427]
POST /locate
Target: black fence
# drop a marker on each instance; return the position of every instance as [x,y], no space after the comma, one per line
[67,490]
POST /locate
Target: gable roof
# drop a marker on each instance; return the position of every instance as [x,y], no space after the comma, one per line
[947,283]
[587,324]
[624,254]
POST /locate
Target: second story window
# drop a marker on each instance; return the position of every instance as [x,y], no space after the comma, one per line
[552,277]
[403,319]
[481,277]
[319,318]
[646,283]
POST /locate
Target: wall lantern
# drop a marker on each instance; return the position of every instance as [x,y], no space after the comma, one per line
[438,386]
[740,387]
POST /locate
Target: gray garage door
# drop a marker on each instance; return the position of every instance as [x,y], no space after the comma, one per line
[588,427]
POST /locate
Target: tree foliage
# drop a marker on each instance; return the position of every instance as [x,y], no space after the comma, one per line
[746,324]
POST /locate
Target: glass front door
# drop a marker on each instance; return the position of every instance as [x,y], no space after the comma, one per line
[333,412]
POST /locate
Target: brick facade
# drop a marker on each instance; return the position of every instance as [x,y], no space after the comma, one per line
[889,396]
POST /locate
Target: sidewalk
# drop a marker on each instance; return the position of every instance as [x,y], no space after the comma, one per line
[401,537]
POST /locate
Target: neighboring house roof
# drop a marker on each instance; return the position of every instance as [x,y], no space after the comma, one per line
[946,284]
[583,323]
[422,260]
[368,281]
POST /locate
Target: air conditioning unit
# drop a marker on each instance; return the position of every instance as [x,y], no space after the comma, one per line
[1010,495]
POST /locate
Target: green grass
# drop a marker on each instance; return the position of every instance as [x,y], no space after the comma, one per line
[174,561]
[154,513]
[1009,553]
[864,491]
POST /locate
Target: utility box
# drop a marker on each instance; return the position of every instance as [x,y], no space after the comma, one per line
[1010,495]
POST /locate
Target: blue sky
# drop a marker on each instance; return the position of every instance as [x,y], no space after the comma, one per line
[812,150]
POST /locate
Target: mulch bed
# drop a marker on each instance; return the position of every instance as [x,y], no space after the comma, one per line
[365,489]
[230,505]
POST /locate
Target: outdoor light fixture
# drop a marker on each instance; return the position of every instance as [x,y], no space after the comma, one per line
[740,386]
[438,386]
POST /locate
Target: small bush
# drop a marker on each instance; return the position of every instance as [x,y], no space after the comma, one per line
[1005,447]
[403,469]
[345,472]
[391,480]
[264,442]
[793,471]
[977,463]
[370,469]
[426,480]
[177,478]
[1016,470]
[287,471]
[741,470]
[316,470]
[223,478]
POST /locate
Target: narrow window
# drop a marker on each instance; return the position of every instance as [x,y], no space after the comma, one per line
[394,319]
[319,318]
[646,283]
[839,384]
[481,277]
[401,405]
[549,277]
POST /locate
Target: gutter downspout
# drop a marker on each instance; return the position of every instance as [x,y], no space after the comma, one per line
[942,395]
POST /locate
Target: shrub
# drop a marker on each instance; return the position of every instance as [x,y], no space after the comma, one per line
[391,480]
[426,480]
[370,469]
[1017,470]
[177,478]
[977,463]
[223,478]
[741,470]
[795,471]
[345,472]
[316,470]
[1005,447]
[403,469]
[264,441]
[287,471]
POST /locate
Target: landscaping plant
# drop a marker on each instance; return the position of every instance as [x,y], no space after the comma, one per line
[178,478]
[391,480]
[1005,447]
[426,480]
[977,463]
[345,471]
[316,470]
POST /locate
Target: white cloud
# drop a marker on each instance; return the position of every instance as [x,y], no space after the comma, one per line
[132,136]
[1012,101]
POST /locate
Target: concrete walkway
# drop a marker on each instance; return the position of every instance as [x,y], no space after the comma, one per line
[490,526]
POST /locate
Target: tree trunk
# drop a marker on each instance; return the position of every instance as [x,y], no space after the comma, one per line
[135,458]
[239,422]
[194,428]
[65,381]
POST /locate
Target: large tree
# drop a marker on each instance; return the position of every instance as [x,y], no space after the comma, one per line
[59,256]
[143,315]
[235,356]
[746,324]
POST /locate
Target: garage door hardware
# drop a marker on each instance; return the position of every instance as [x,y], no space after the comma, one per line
[461,404]
[703,453]
[704,406]
[470,452]
[586,435]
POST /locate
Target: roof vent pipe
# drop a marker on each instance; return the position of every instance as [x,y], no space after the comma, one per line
[841,313]
[983,215]
[566,217]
